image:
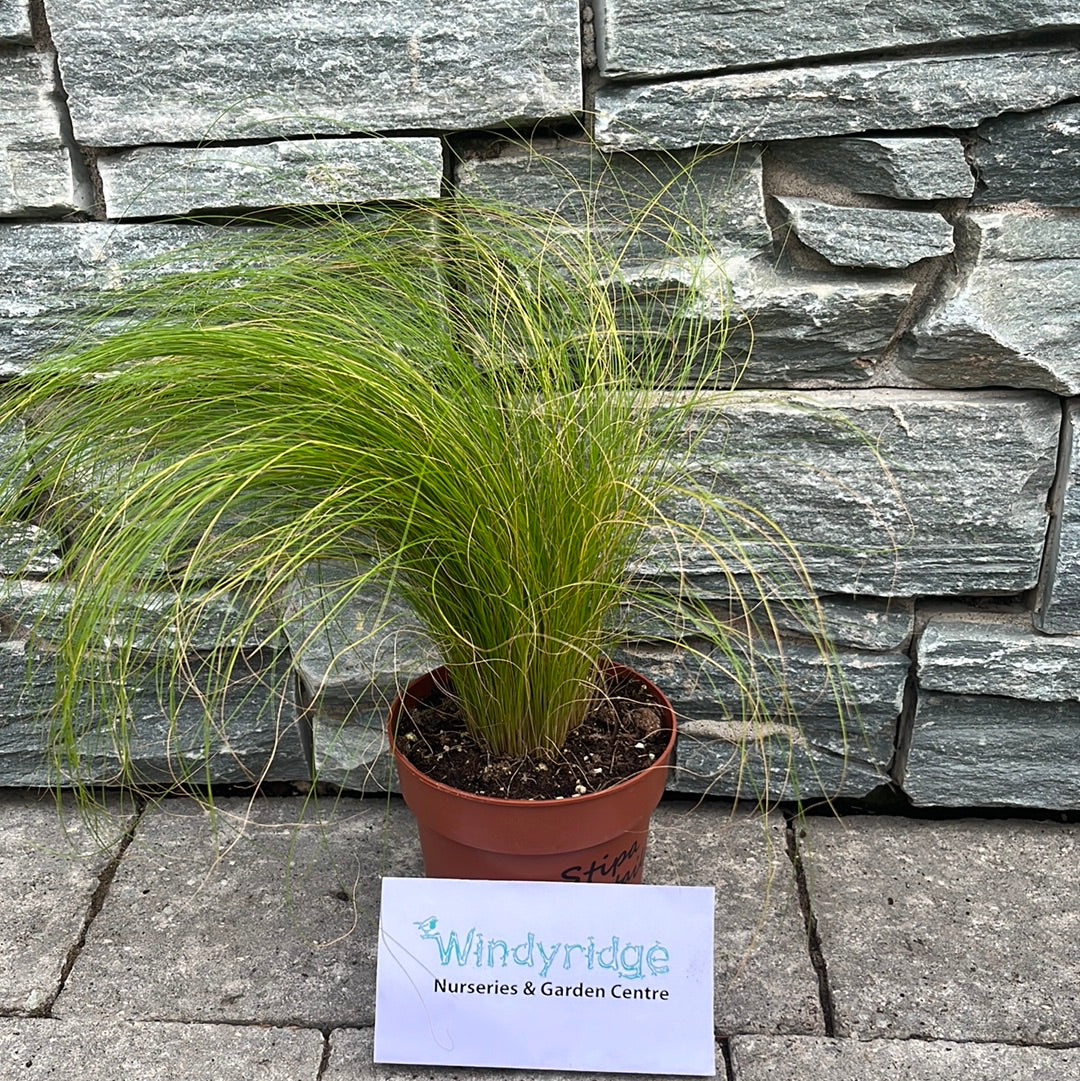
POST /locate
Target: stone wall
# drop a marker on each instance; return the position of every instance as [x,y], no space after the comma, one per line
[897,223]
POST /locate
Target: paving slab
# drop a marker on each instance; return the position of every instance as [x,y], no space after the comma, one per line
[150,1051]
[269,917]
[794,1058]
[48,877]
[961,930]
[764,979]
[351,1060]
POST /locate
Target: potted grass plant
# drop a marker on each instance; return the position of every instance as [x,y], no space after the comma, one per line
[458,400]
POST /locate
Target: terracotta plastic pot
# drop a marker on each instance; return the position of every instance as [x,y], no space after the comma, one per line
[599,837]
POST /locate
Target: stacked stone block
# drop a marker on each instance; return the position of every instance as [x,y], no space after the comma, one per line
[894,217]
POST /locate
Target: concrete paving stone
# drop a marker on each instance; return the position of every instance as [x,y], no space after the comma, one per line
[97,1048]
[955,930]
[764,980]
[49,868]
[269,915]
[794,1058]
[351,1052]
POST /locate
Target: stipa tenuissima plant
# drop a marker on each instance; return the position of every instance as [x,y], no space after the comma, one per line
[457,398]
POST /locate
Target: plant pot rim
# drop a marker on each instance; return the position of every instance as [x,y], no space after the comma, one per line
[662,761]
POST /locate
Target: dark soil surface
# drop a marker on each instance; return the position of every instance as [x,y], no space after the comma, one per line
[622,735]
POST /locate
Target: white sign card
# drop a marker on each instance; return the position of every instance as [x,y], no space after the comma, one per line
[546,976]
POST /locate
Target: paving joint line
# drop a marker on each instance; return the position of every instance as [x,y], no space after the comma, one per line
[324,1062]
[729,1065]
[813,939]
[97,902]
[969,1041]
[297,1023]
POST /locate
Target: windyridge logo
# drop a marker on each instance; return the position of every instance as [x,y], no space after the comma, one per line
[475,952]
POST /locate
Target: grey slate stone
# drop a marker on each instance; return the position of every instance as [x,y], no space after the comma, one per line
[724,754]
[866,485]
[644,37]
[211,620]
[55,273]
[794,327]
[961,930]
[877,624]
[1010,317]
[1022,233]
[329,68]
[353,654]
[719,193]
[25,548]
[256,738]
[991,751]
[160,180]
[835,99]
[36,182]
[15,22]
[159,1051]
[764,981]
[49,871]
[794,1058]
[903,167]
[1030,157]
[256,732]
[1057,598]
[807,328]
[28,549]
[351,749]
[989,653]
[870,623]
[29,119]
[851,236]
[271,917]
[35,169]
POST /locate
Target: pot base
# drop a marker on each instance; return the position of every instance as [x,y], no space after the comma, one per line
[620,860]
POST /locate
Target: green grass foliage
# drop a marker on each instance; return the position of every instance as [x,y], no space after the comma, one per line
[456,397]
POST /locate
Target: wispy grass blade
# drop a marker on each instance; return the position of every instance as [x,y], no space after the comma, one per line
[458,398]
